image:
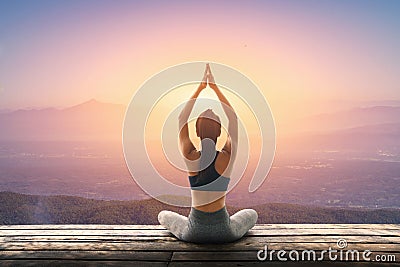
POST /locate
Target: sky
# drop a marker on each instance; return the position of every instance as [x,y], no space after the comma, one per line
[305,56]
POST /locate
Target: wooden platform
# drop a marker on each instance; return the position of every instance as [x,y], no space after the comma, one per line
[150,245]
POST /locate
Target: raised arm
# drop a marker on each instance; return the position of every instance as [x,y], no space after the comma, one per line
[187,146]
[231,143]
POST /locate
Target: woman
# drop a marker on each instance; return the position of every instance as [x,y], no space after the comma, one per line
[209,171]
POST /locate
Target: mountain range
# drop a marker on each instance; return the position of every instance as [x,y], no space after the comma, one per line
[89,121]
[97,121]
[356,117]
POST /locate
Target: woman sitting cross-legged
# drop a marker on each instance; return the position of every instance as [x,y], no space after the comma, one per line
[209,171]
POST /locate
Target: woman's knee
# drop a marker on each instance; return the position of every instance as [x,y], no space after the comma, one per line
[177,224]
[253,215]
[245,216]
[164,217]
[247,213]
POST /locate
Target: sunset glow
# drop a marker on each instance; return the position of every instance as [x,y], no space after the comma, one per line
[323,76]
[305,56]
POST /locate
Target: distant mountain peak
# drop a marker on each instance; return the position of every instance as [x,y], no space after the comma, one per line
[92,101]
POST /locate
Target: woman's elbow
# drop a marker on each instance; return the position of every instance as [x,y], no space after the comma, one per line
[232,117]
[182,119]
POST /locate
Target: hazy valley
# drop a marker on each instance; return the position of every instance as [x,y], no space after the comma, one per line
[44,152]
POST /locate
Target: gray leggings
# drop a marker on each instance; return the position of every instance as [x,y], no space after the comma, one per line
[208,227]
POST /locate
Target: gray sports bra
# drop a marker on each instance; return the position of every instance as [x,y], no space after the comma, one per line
[209,179]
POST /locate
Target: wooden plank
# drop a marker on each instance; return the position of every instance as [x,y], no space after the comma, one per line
[152,256]
[117,238]
[159,227]
[74,263]
[280,264]
[215,256]
[333,245]
[245,244]
[94,239]
[234,256]
[326,226]
[324,232]
[269,232]
[87,255]
[333,238]
[88,232]
[83,227]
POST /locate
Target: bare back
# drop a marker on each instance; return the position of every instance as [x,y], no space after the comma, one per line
[221,164]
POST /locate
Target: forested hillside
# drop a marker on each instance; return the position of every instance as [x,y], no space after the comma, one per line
[30,209]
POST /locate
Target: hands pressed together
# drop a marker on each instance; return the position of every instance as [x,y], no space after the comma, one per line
[208,78]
